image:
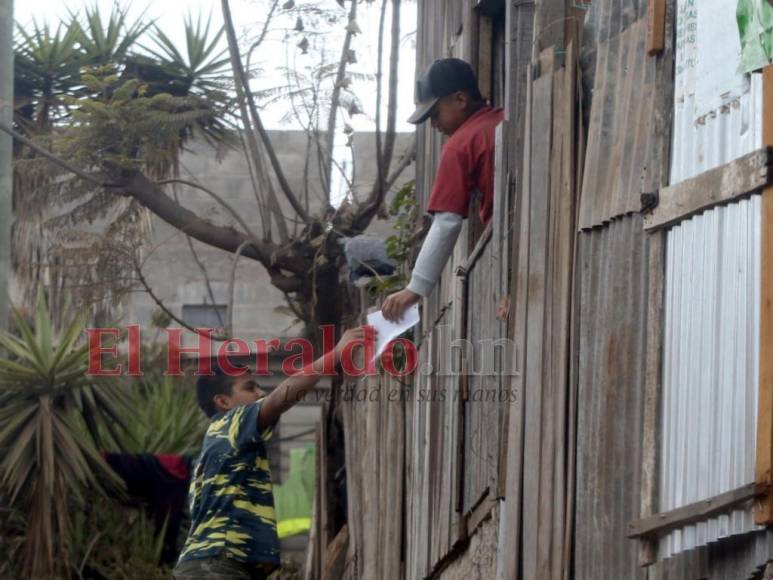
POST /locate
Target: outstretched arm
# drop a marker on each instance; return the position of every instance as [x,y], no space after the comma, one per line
[437,248]
[293,388]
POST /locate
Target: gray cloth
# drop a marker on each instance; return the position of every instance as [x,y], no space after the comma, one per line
[366,256]
[435,251]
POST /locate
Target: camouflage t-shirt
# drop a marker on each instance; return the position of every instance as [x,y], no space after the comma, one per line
[231,500]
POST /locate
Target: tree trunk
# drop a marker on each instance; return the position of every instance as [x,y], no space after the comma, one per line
[332,305]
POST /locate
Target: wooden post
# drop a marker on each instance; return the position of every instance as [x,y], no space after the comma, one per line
[763,513]
[652,386]
[485,57]
[656,27]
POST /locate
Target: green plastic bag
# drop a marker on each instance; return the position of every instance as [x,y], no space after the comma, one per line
[755,27]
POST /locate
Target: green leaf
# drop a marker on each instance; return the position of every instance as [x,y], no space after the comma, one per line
[24,351]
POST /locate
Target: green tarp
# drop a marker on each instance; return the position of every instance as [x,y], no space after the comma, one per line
[293,499]
[755,26]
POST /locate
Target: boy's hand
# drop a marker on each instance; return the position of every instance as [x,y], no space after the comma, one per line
[352,335]
[396,304]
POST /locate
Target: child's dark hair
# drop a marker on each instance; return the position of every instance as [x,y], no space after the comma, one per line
[207,386]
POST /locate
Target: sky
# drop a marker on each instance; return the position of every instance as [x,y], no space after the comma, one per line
[248,16]
[275,53]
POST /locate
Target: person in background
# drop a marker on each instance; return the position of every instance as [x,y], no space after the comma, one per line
[448,95]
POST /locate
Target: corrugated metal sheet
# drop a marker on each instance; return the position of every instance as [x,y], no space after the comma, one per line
[611,294]
[735,558]
[709,387]
[704,141]
[605,19]
[710,366]
[622,160]
[717,113]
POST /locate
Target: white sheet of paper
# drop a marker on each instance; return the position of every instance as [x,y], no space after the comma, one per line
[387,330]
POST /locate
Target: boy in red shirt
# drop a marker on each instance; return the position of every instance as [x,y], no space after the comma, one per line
[449,96]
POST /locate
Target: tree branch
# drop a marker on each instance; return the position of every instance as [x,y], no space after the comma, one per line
[262,35]
[369,209]
[253,151]
[202,268]
[263,209]
[232,285]
[228,207]
[394,61]
[405,161]
[243,89]
[336,97]
[150,195]
[56,160]
[197,183]
[380,188]
[379,74]
[169,313]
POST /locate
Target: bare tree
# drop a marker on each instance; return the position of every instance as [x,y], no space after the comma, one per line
[305,266]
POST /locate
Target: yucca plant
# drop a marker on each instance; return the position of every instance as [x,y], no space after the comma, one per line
[54,418]
[105,41]
[204,64]
[46,67]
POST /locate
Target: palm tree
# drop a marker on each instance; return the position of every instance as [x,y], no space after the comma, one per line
[92,62]
[54,418]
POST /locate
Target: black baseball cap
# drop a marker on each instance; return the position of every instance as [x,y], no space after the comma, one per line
[443,77]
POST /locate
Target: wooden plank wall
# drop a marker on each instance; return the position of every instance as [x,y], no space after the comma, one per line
[434,524]
[432,39]
[519,41]
[482,421]
[543,303]
[375,428]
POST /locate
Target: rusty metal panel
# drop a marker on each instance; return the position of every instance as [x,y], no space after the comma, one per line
[621,160]
[612,290]
[605,19]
